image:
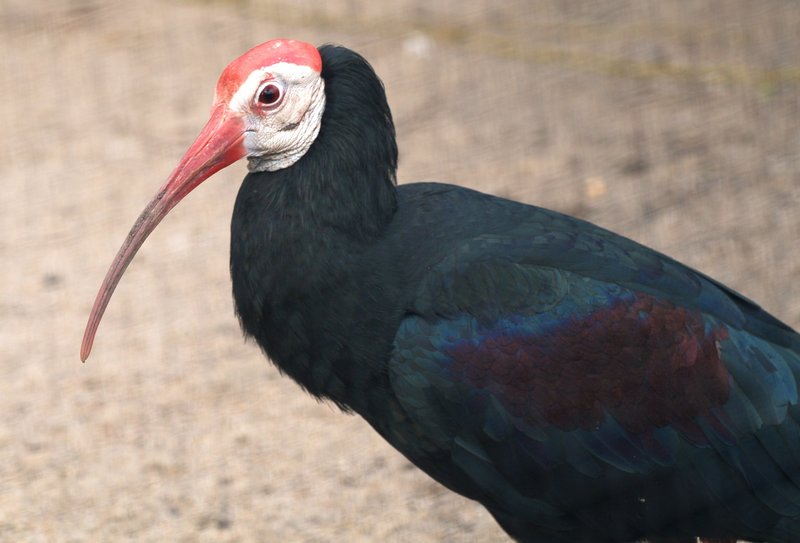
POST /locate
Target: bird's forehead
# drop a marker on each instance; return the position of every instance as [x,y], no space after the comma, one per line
[261,56]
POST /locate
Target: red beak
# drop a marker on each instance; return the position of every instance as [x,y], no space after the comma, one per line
[219,144]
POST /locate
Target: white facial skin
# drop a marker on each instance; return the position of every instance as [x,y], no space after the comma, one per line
[279,132]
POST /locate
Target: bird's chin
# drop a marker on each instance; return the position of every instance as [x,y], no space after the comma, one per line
[269,163]
[266,163]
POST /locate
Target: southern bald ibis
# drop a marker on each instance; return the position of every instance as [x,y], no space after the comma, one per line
[582,387]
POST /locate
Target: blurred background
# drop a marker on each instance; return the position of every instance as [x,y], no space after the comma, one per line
[674,123]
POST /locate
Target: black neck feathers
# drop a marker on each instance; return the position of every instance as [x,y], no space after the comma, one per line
[297,233]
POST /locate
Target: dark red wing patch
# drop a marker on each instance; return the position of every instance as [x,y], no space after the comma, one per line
[645,361]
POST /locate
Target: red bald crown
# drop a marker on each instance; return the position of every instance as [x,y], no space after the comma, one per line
[266,54]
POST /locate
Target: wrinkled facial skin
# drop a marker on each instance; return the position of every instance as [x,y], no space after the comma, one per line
[281,107]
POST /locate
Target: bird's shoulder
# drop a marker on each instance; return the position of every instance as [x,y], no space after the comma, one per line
[536,343]
[477,253]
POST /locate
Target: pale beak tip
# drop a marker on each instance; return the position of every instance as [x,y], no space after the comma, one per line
[85,353]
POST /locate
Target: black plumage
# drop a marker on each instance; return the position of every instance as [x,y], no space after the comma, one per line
[582,387]
[350,284]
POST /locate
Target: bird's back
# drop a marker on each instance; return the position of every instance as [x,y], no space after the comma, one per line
[582,386]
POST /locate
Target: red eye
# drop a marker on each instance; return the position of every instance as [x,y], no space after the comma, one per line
[269,95]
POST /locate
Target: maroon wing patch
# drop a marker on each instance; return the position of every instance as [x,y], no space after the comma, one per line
[644,360]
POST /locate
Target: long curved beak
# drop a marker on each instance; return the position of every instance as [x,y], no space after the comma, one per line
[219,144]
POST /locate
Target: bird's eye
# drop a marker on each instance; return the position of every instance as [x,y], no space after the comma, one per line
[270,94]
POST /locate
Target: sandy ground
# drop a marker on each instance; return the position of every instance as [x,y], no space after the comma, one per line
[675,123]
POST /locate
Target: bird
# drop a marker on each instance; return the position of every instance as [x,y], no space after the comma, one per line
[580,386]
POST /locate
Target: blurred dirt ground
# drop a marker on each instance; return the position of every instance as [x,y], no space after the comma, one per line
[675,123]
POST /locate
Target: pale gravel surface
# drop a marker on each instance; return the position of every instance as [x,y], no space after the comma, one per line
[676,123]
